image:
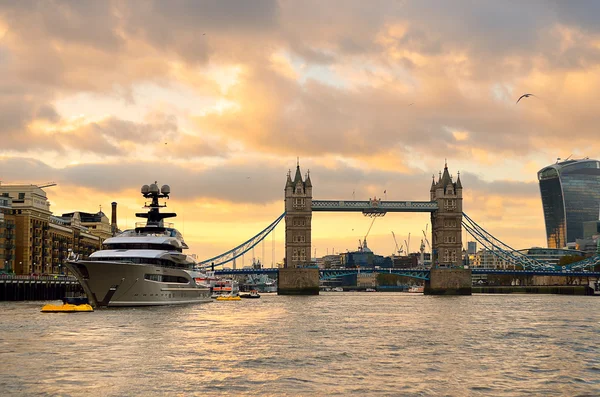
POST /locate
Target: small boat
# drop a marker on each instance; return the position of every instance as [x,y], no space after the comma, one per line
[229,298]
[416,289]
[67,308]
[252,295]
[370,290]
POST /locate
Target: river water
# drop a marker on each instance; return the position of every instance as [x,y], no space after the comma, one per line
[332,344]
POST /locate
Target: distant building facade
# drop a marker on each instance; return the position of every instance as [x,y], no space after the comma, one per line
[7,235]
[570,192]
[34,240]
[471,247]
[550,256]
[488,259]
[97,224]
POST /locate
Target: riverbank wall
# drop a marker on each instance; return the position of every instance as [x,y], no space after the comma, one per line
[25,288]
[535,289]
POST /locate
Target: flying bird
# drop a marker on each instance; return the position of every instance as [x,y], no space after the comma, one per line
[524,96]
[411,104]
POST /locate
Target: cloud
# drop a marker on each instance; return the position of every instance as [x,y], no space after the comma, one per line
[238,86]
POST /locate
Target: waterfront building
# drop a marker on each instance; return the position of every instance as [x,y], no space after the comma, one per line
[364,257]
[97,224]
[488,259]
[550,256]
[329,261]
[7,236]
[570,192]
[39,242]
[368,280]
[406,261]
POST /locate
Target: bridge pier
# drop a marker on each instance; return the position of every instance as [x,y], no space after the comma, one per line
[448,282]
[298,281]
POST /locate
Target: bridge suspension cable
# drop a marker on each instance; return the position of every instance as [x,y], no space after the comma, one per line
[500,249]
[241,249]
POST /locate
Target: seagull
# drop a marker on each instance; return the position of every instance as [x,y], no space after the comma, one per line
[411,104]
[524,96]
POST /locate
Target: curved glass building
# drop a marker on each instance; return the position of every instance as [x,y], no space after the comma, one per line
[570,196]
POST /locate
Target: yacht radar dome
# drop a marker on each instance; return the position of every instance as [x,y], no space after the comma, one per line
[145,189]
[154,188]
[165,189]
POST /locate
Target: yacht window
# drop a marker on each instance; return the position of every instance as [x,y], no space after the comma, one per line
[166,278]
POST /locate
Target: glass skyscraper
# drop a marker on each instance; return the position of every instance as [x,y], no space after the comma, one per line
[570,196]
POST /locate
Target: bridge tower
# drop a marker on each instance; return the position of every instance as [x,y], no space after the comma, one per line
[298,208]
[446,226]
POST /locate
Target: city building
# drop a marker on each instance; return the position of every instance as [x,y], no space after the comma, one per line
[368,280]
[591,229]
[570,192]
[590,243]
[329,261]
[97,224]
[471,247]
[550,256]
[488,259]
[364,257]
[7,236]
[35,241]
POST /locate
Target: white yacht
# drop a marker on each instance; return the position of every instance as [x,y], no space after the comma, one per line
[144,266]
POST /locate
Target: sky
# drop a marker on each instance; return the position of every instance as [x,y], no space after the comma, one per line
[219,98]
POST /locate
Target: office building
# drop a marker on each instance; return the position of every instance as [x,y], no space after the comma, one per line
[570,193]
[471,247]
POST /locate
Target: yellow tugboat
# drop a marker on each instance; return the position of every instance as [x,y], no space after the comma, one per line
[67,308]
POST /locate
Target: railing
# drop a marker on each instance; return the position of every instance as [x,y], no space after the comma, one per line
[384,206]
[36,278]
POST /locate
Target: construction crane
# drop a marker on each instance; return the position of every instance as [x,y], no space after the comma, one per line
[425,235]
[398,250]
[47,184]
[407,245]
[363,244]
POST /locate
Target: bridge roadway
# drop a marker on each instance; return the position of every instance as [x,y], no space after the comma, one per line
[415,273]
[374,206]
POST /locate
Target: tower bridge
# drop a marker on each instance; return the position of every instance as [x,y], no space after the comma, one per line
[445,207]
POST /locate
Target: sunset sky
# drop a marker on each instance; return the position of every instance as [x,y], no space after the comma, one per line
[219,98]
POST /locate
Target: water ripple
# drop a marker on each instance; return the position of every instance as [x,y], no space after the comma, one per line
[383,344]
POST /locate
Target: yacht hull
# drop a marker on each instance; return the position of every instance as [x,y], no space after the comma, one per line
[118,284]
